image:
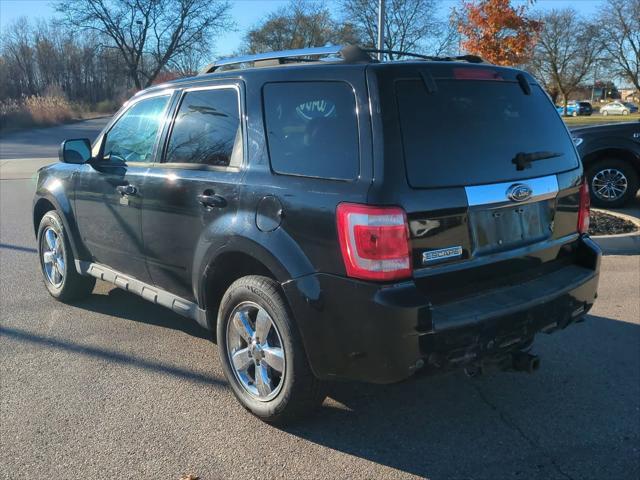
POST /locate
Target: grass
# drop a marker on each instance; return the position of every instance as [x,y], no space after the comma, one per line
[597,119]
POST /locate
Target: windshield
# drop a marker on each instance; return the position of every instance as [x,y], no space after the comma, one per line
[468,132]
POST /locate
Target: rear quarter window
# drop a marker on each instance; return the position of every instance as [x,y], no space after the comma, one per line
[312,129]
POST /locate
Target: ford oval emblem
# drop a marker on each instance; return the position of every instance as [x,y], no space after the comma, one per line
[519,192]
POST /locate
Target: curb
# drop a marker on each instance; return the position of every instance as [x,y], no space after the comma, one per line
[622,243]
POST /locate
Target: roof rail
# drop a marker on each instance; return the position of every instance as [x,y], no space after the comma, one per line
[349,53]
[459,58]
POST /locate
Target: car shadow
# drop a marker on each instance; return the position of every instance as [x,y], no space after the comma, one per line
[129,306]
[18,248]
[582,403]
[451,426]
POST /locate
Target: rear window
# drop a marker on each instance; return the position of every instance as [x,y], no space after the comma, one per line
[468,131]
[312,129]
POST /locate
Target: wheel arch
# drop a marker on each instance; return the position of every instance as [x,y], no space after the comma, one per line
[40,209]
[240,257]
[45,202]
[617,152]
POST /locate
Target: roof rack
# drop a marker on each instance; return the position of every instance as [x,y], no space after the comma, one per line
[346,53]
[275,58]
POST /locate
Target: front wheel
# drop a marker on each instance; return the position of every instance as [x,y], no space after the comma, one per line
[605,113]
[57,261]
[262,353]
[625,112]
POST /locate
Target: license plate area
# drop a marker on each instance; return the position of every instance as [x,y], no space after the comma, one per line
[511,226]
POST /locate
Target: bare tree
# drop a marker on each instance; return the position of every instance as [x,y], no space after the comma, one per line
[149,33]
[18,48]
[410,25]
[566,50]
[298,25]
[620,22]
[43,59]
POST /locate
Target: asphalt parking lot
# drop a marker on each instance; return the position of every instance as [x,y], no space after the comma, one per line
[114,387]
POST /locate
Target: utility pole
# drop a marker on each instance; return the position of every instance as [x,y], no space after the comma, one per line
[595,79]
[380,29]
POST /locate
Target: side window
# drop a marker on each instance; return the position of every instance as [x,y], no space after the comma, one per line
[132,137]
[312,129]
[207,129]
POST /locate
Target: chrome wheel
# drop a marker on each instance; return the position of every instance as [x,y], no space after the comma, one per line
[52,257]
[255,351]
[609,184]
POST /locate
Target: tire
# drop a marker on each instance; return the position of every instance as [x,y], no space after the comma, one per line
[57,262]
[605,113]
[295,391]
[609,169]
[625,112]
[574,114]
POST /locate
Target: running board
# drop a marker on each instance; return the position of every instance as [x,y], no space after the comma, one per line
[149,292]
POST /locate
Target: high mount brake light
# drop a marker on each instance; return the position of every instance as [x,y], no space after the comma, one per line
[374,241]
[475,74]
[584,209]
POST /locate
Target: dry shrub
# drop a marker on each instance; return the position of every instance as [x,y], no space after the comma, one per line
[48,110]
[107,106]
[35,111]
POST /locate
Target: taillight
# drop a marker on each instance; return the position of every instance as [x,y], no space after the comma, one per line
[583,211]
[374,241]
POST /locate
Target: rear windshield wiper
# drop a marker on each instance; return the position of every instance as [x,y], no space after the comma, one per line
[523,160]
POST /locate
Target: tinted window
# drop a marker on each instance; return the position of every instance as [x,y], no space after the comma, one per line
[207,129]
[468,131]
[132,137]
[312,129]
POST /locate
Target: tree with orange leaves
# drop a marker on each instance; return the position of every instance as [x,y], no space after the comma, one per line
[496,31]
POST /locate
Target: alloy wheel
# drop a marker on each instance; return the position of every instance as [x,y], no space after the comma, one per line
[609,184]
[255,350]
[53,257]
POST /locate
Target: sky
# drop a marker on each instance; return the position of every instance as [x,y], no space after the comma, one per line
[247,13]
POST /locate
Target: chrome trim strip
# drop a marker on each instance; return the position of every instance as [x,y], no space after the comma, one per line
[542,188]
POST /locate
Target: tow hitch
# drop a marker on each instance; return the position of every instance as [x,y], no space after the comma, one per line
[525,362]
[518,361]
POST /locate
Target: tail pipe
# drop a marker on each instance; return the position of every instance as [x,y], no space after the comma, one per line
[525,362]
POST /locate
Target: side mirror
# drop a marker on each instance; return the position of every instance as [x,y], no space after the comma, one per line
[75,151]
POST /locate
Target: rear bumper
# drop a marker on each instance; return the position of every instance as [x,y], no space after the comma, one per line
[363,331]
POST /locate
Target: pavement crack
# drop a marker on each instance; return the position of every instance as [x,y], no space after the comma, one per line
[509,422]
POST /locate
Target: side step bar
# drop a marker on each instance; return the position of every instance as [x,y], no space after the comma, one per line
[151,293]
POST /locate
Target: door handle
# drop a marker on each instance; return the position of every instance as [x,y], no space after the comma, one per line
[127,190]
[212,200]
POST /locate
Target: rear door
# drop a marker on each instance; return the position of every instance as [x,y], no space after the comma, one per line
[486,160]
[195,187]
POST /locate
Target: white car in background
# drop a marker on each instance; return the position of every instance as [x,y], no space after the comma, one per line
[618,108]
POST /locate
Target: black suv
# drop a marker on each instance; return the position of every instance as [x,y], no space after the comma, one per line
[332,217]
[611,158]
